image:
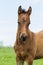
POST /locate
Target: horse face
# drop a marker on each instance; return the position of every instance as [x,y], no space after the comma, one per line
[23,23]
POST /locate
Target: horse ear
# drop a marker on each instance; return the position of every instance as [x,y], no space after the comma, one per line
[19,10]
[29,10]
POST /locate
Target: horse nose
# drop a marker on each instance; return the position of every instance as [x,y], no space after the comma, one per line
[23,37]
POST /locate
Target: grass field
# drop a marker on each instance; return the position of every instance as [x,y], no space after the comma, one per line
[8,57]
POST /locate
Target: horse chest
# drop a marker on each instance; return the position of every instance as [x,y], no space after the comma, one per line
[22,51]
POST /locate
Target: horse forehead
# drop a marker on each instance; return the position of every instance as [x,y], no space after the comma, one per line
[24,17]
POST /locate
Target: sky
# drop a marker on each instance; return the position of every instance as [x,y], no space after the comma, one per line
[9,16]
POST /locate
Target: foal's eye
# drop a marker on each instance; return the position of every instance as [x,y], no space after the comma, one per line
[19,23]
[27,24]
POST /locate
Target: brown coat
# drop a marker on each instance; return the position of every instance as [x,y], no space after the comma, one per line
[32,48]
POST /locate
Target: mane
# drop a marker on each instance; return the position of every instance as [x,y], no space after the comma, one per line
[24,11]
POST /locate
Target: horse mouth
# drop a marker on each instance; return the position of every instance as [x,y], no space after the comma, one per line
[23,38]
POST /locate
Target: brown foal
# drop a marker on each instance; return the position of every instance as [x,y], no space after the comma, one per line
[28,45]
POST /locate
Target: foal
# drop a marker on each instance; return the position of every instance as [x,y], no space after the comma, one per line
[28,45]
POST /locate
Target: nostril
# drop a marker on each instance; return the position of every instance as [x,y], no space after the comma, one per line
[23,37]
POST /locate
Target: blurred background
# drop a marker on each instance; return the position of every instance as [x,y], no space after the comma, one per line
[9,16]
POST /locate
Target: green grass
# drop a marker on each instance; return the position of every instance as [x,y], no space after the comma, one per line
[8,57]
